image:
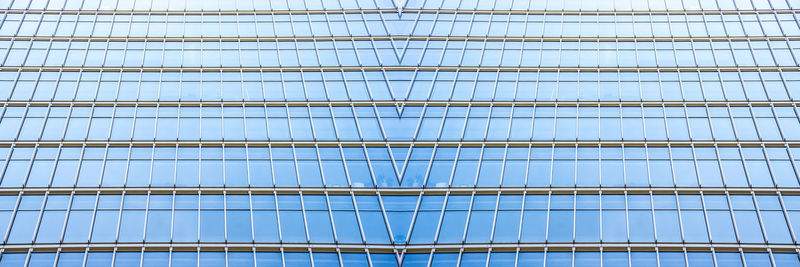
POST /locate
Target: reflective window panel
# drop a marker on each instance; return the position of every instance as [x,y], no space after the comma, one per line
[400,133]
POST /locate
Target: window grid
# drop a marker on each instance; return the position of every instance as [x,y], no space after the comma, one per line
[368,133]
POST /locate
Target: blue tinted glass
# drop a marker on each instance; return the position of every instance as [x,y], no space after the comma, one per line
[296,259]
[127,259]
[460,128]
[13,259]
[99,259]
[70,259]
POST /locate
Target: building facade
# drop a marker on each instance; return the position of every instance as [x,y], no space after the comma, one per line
[418,133]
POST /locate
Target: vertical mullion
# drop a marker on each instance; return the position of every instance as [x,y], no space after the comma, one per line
[388,228]
[78,170]
[522,218]
[696,166]
[119,216]
[653,218]
[330,217]
[358,218]
[552,164]
[771,257]
[760,219]
[441,219]
[627,217]
[705,217]
[768,162]
[224,217]
[14,212]
[92,220]
[414,217]
[680,215]
[547,225]
[792,157]
[146,217]
[343,160]
[469,217]
[272,168]
[601,211]
[39,218]
[67,212]
[252,225]
[786,217]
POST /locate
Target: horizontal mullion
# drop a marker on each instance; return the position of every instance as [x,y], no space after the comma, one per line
[404,68]
[403,103]
[198,12]
[404,191]
[404,11]
[604,12]
[401,143]
[399,37]
[305,247]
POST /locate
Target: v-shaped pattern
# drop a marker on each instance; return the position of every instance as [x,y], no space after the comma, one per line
[399,216]
[399,4]
[400,26]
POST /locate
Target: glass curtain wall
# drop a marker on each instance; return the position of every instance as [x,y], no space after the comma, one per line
[400,133]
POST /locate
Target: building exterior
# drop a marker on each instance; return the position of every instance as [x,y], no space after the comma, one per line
[419,133]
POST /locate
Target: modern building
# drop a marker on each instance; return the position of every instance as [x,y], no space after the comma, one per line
[420,133]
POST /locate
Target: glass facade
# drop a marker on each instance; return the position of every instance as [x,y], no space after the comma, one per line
[400,133]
